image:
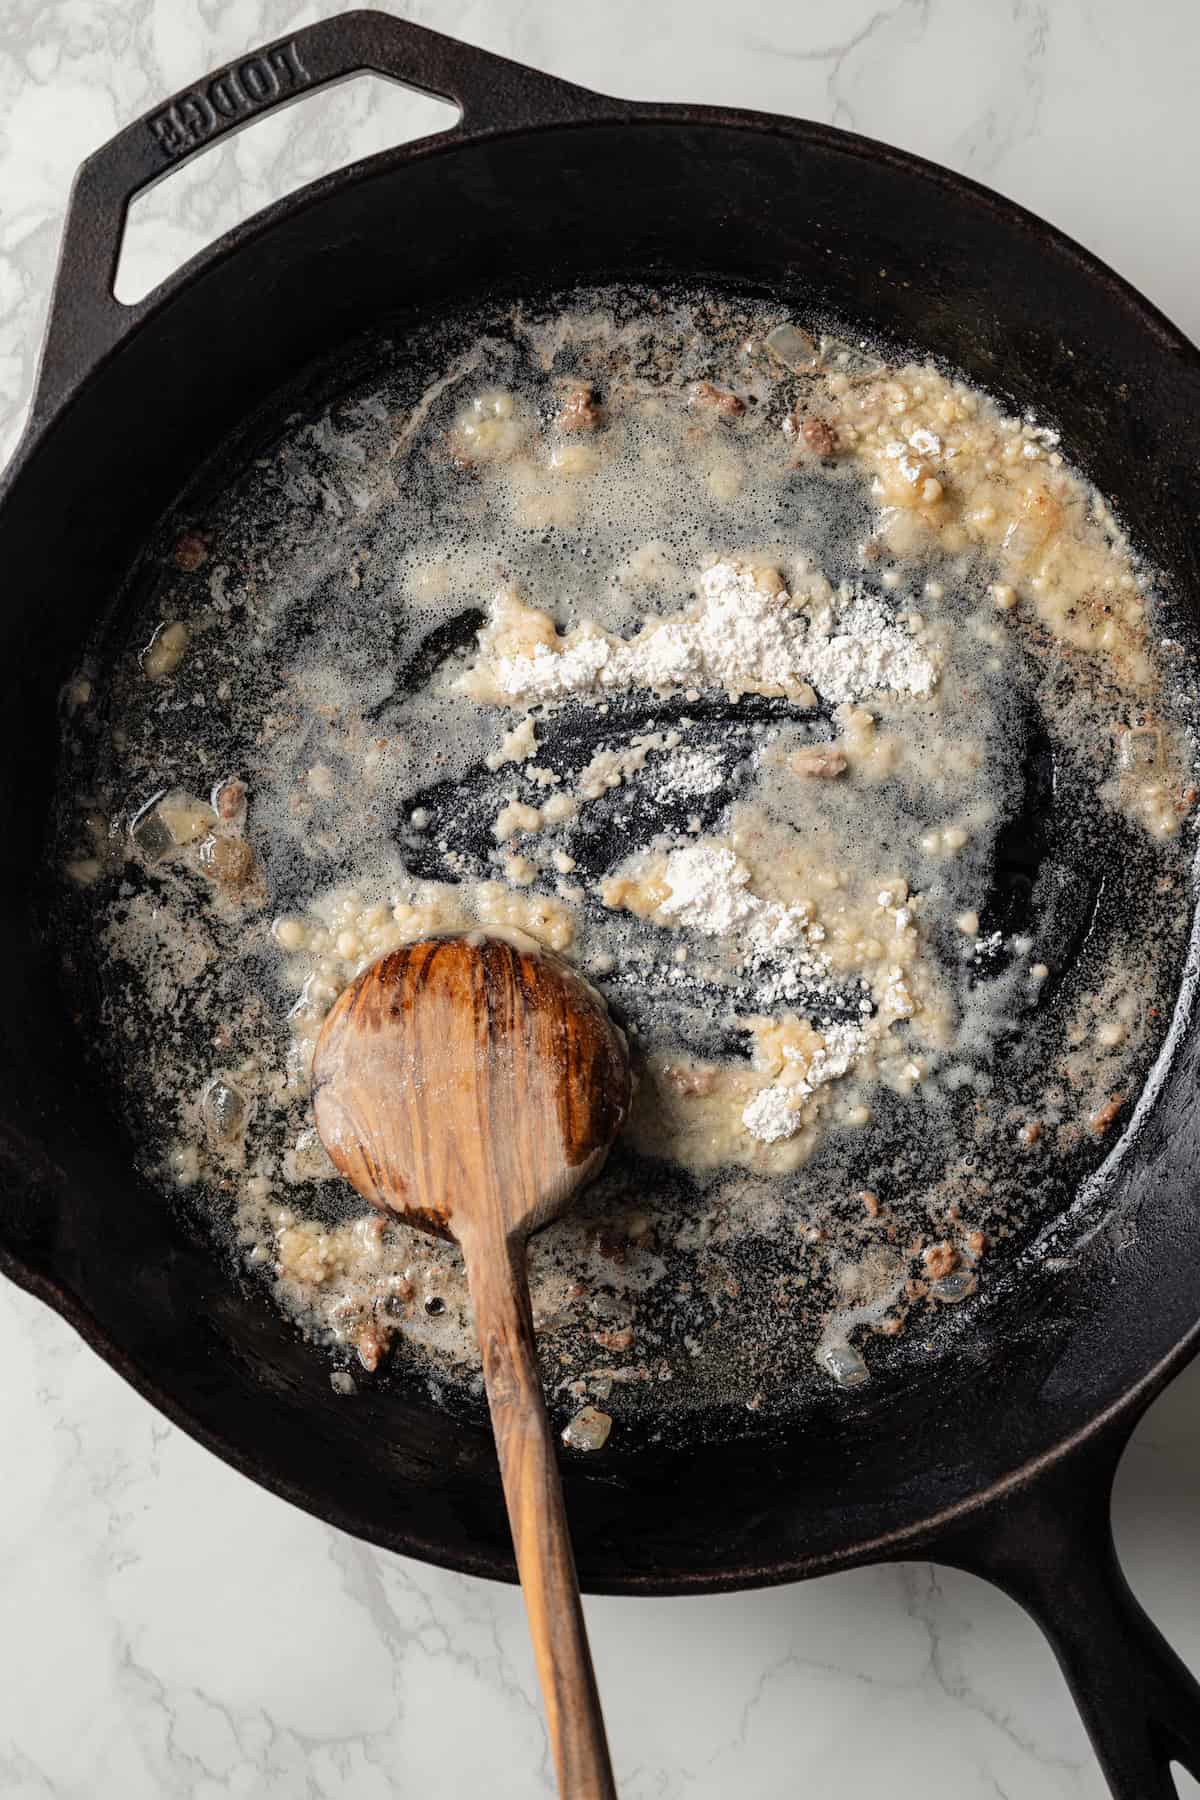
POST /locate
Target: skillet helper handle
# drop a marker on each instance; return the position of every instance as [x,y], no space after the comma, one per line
[538,1517]
[1050,1548]
[86,321]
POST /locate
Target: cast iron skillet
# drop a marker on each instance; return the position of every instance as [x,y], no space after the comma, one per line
[1006,1468]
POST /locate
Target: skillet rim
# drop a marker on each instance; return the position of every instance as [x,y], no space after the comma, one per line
[598,112]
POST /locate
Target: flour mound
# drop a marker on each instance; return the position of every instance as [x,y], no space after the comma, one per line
[745,634]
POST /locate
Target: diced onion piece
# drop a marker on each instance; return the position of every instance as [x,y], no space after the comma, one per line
[845,1364]
[792,347]
[588,1430]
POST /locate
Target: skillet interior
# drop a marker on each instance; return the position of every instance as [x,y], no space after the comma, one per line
[788,209]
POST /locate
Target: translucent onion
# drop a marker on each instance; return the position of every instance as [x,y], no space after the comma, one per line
[845,1364]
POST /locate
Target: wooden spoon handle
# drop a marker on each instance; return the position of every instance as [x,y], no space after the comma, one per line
[537,1515]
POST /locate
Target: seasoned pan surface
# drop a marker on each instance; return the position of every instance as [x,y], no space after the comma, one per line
[289,639]
[559,186]
[1004,1463]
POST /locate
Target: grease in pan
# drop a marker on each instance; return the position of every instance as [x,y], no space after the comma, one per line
[789,690]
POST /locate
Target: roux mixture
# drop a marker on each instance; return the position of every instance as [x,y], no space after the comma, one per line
[815,707]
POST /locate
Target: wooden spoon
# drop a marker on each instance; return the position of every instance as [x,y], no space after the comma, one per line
[471,1086]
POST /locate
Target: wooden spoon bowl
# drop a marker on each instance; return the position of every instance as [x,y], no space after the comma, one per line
[470,1086]
[459,1066]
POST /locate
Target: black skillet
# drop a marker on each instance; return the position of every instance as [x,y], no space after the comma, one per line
[1006,1467]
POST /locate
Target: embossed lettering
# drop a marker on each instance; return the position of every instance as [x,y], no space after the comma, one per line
[258,80]
[197,115]
[285,60]
[255,83]
[223,96]
[169,132]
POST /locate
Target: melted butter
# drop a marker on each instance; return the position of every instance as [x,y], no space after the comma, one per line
[564,521]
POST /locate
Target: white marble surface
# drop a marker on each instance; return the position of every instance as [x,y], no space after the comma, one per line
[170,1630]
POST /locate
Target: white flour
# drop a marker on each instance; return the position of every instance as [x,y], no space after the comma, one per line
[746,634]
[710,889]
[772,1115]
[711,893]
[678,775]
[688,774]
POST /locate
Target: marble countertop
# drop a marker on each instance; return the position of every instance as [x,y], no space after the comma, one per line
[170,1629]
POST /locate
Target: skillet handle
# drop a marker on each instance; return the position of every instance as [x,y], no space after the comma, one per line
[87,322]
[1049,1546]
